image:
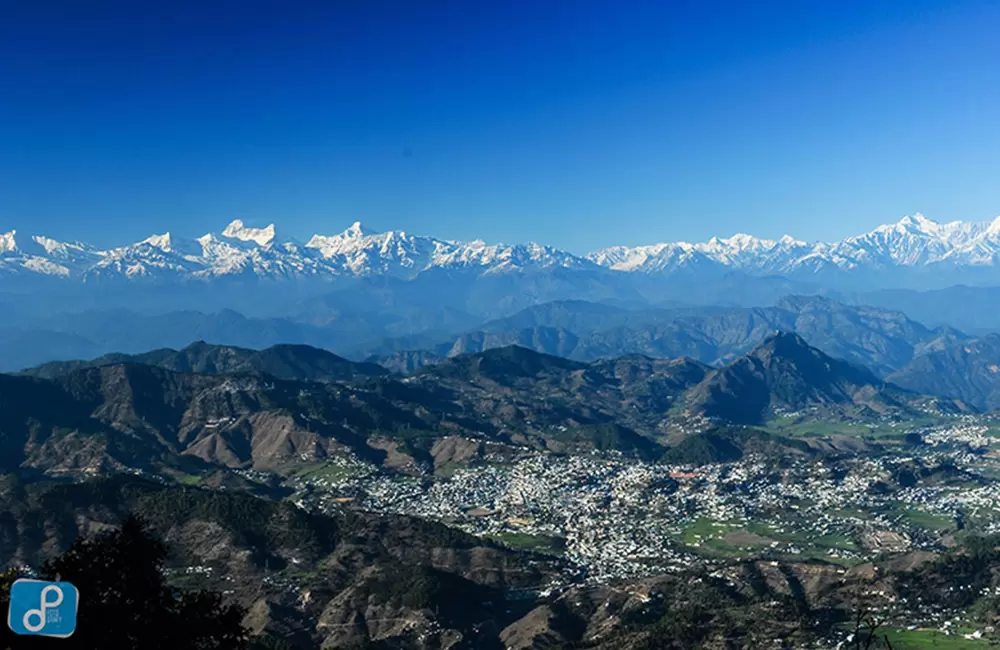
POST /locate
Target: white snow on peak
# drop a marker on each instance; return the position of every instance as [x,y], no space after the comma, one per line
[357,230]
[46,267]
[788,240]
[993,228]
[919,223]
[355,238]
[742,251]
[237,230]
[50,245]
[397,252]
[920,226]
[356,251]
[159,241]
[60,258]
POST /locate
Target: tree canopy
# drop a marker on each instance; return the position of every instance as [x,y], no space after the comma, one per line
[125,602]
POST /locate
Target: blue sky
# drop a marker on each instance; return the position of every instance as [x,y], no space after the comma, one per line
[574,123]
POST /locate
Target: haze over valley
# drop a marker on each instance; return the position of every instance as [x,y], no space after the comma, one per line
[499,325]
[580,447]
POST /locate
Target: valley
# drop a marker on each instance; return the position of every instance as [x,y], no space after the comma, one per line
[623,519]
[499,326]
[783,477]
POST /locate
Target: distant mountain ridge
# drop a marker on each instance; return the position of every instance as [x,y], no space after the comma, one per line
[911,241]
[880,339]
[966,370]
[933,362]
[258,252]
[243,251]
[285,361]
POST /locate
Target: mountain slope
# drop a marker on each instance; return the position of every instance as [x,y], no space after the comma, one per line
[405,362]
[504,365]
[538,398]
[968,370]
[784,374]
[880,339]
[130,416]
[293,362]
[970,308]
[336,580]
[123,416]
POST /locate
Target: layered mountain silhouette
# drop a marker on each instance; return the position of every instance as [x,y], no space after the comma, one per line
[506,365]
[152,412]
[785,374]
[286,361]
[966,370]
[879,339]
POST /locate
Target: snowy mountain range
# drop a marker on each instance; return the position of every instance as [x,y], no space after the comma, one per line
[910,242]
[240,251]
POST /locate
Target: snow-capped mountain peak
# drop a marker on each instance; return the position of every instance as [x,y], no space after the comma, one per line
[51,245]
[911,241]
[356,230]
[261,236]
[920,226]
[356,251]
[993,228]
[350,239]
[919,223]
[736,243]
[159,241]
[788,240]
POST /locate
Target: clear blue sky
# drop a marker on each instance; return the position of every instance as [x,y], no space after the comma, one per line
[575,123]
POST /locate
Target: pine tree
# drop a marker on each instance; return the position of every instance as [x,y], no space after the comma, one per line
[125,602]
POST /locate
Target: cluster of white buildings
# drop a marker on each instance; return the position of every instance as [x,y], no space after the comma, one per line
[623,518]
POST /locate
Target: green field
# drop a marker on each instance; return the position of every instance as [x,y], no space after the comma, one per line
[923,639]
[807,427]
[703,528]
[736,539]
[705,535]
[928,521]
[818,428]
[447,470]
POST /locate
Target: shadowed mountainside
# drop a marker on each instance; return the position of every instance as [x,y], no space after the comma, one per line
[358,577]
[286,361]
[133,415]
[879,339]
